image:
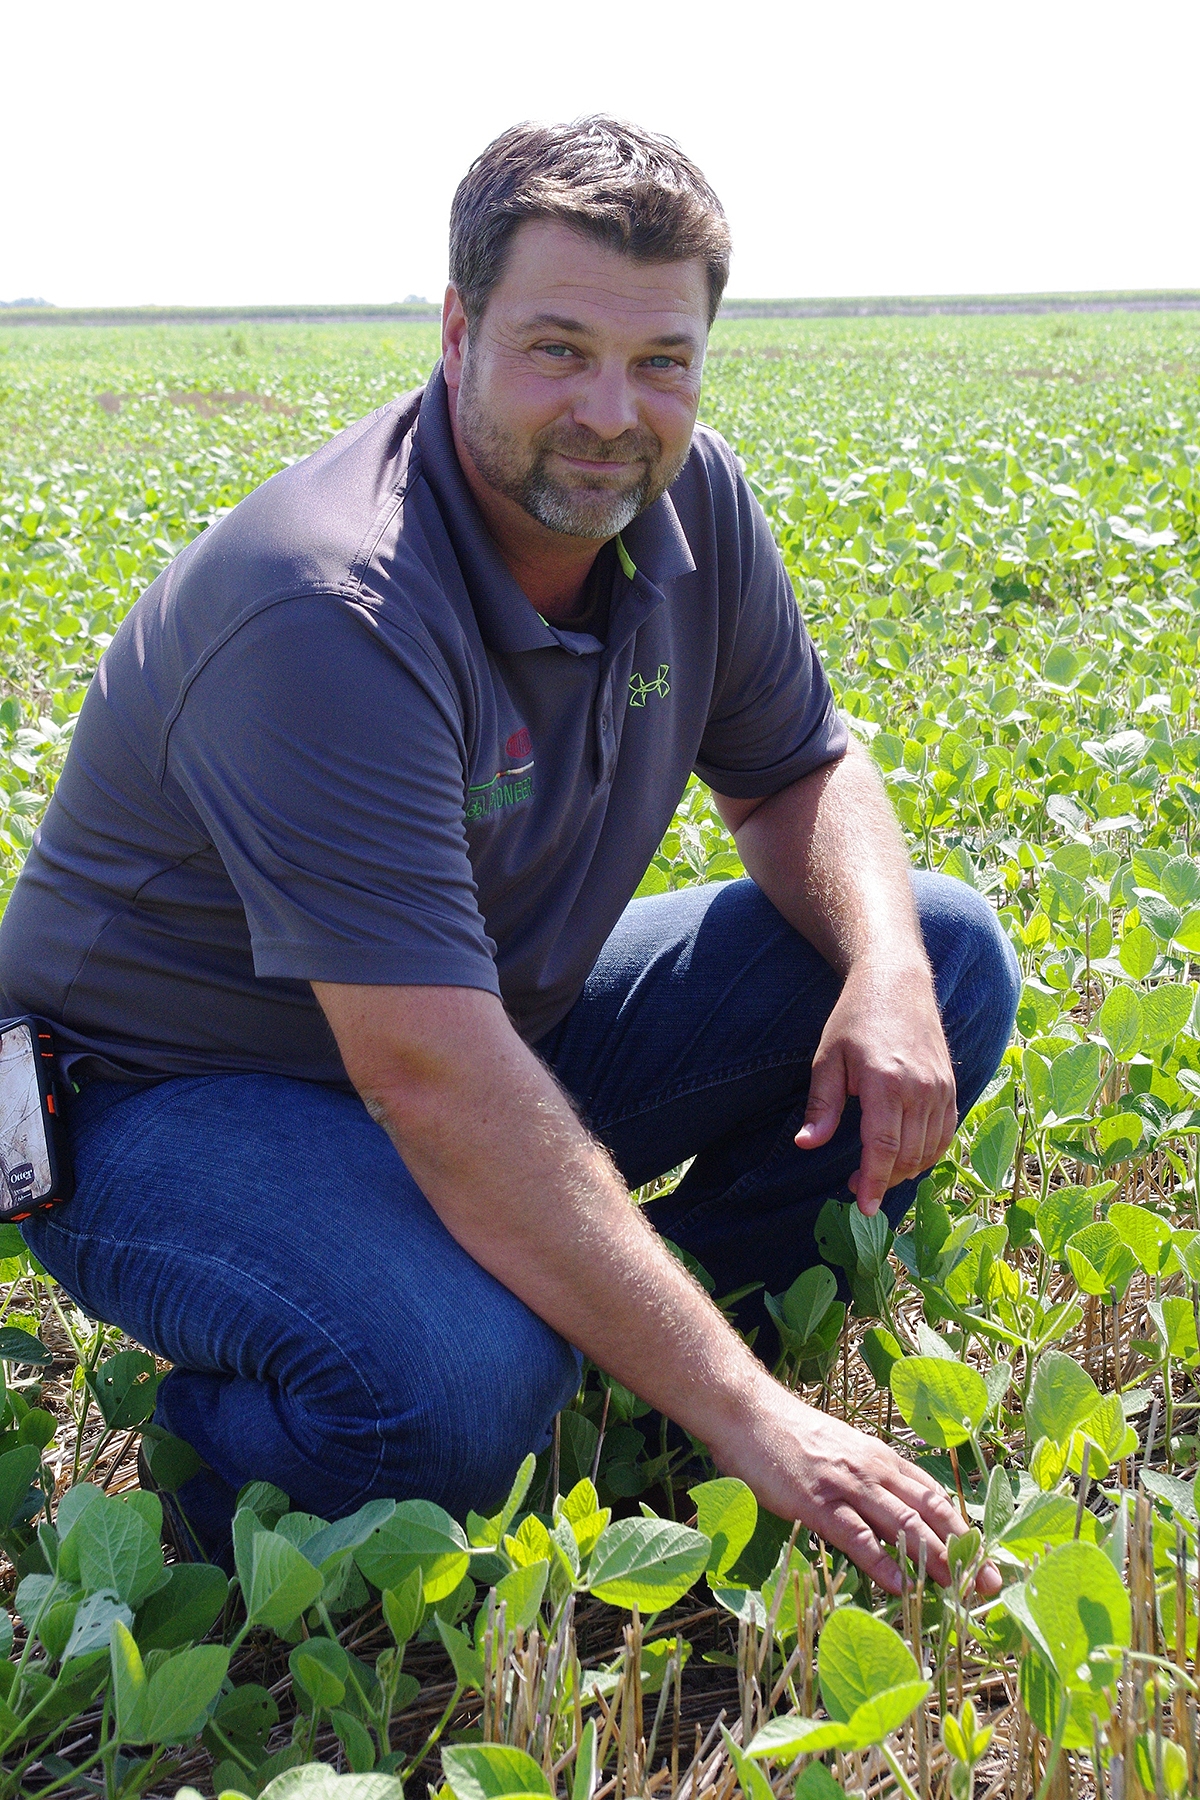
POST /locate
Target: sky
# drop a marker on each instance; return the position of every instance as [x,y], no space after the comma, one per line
[247,151]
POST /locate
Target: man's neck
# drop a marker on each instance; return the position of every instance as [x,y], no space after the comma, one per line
[550,569]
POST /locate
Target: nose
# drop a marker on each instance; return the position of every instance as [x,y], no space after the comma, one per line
[607,405]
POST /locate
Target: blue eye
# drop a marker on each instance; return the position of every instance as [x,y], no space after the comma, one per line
[662,362]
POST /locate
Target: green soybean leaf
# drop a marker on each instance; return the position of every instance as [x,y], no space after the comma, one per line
[999,1505]
[333,1542]
[784,1739]
[880,1350]
[1166,1010]
[419,1535]
[1182,1496]
[751,1780]
[18,1346]
[520,1592]
[583,1782]
[184,1609]
[321,1668]
[171,1460]
[124,1389]
[1074,1078]
[491,1772]
[129,1685]
[1119,1137]
[1138,952]
[1099,1261]
[1045,1520]
[816,1783]
[1148,1236]
[17,1470]
[404,1608]
[1108,1433]
[877,1718]
[859,1659]
[871,1237]
[726,1513]
[282,1582]
[468,1663]
[994,1148]
[117,1551]
[649,1563]
[833,1235]
[1187,932]
[317,1781]
[583,1512]
[355,1740]
[1042,1696]
[1080,1605]
[1162,1765]
[1063,1212]
[177,1695]
[1063,1395]
[265,1500]
[807,1301]
[1175,1323]
[92,1624]
[246,1716]
[943,1402]
[1119,1022]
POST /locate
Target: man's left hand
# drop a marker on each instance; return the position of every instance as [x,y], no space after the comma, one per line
[884,1043]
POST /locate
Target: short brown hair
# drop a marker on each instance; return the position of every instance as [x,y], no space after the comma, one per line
[629,188]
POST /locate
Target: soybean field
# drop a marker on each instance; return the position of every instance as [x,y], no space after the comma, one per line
[993,529]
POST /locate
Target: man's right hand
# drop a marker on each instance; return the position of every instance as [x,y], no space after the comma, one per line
[851,1489]
[498,1152]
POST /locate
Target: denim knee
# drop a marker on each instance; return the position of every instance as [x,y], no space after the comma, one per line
[461,1427]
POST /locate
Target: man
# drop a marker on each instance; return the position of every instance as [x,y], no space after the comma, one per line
[332,912]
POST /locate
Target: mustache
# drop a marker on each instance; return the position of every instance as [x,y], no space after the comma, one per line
[631,446]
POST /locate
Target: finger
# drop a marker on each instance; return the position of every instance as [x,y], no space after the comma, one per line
[943,1517]
[949,1125]
[889,1516]
[882,1120]
[939,1509]
[842,1527]
[921,1113]
[989,1581]
[826,1099]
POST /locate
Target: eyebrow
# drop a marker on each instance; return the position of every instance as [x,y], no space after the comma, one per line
[560,322]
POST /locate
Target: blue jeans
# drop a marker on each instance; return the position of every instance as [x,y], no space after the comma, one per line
[329,1335]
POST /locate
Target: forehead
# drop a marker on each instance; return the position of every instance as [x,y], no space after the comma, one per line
[551,268]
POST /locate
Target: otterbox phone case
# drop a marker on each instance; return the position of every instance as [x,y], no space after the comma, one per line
[35,1168]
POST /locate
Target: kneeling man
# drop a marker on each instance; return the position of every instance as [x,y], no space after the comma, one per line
[332,913]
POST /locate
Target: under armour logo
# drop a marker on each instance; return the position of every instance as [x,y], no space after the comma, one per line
[639,687]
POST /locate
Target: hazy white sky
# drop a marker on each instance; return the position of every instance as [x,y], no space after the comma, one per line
[249,150]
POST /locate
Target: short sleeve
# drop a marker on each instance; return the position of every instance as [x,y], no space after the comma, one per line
[772,717]
[326,763]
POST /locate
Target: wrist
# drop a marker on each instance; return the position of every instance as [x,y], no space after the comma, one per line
[742,1418]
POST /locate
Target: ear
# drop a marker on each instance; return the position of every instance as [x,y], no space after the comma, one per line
[454,338]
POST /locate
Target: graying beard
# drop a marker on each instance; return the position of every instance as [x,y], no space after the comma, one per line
[571,515]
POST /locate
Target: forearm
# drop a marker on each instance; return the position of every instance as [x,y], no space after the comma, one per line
[494,1145]
[828,854]
[497,1150]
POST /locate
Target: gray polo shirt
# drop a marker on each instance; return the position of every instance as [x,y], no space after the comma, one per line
[335,742]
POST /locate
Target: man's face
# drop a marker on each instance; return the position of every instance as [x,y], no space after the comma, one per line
[577,390]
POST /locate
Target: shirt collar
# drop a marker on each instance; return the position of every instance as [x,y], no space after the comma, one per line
[654,545]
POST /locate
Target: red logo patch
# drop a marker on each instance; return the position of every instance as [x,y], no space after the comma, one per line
[519,744]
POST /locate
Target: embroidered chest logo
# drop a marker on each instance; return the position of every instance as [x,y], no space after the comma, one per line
[509,785]
[639,687]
